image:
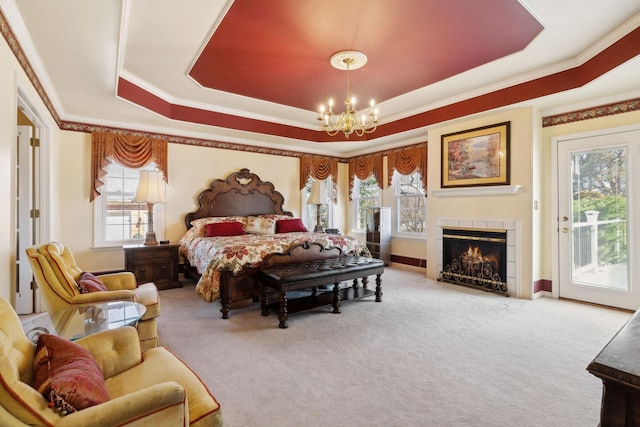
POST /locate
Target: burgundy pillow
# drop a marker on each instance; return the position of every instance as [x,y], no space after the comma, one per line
[290,225]
[67,375]
[233,228]
[90,283]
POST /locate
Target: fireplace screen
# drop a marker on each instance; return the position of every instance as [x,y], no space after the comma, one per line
[475,258]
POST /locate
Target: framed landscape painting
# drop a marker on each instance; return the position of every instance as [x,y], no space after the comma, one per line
[476,157]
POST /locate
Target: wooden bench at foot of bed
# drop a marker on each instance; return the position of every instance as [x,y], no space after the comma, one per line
[305,267]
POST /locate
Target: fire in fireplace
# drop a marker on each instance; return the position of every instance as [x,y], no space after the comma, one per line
[475,257]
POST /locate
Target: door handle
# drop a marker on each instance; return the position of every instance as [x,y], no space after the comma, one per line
[565,230]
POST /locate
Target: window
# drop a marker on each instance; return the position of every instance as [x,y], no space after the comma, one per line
[119,220]
[326,211]
[411,212]
[366,194]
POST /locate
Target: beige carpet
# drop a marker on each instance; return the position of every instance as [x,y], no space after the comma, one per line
[431,354]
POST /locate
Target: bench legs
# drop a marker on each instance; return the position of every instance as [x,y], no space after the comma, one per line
[378,288]
[283,314]
[336,297]
[264,301]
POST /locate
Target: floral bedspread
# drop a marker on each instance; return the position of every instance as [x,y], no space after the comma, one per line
[210,255]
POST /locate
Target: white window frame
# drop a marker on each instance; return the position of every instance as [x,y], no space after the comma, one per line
[309,211]
[100,219]
[397,197]
[357,202]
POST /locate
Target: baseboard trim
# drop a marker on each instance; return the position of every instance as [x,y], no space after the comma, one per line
[414,262]
[542,285]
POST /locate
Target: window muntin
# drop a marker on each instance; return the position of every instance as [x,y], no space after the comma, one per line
[326,211]
[119,220]
[366,194]
[410,202]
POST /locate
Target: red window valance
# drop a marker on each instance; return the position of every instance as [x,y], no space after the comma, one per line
[319,168]
[363,167]
[128,150]
[407,162]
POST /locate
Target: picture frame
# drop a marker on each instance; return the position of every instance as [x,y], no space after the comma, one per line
[476,157]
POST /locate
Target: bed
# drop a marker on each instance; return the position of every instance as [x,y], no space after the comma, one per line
[240,220]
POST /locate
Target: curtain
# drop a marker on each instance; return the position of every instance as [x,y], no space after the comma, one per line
[408,162]
[319,168]
[363,167]
[128,150]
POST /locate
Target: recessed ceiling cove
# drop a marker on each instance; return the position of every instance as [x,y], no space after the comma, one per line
[279,50]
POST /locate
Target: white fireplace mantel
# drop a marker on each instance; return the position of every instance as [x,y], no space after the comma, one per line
[477,191]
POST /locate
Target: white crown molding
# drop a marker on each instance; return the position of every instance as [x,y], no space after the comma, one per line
[16,24]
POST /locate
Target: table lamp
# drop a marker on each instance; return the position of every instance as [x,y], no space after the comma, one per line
[151,190]
[317,197]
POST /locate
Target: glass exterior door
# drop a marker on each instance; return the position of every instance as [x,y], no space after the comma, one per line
[595,205]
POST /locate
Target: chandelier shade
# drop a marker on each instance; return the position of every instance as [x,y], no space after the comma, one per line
[349,121]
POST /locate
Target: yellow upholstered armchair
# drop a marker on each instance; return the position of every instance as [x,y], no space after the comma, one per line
[151,388]
[57,276]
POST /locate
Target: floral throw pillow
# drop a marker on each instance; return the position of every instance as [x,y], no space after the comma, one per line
[67,375]
[261,225]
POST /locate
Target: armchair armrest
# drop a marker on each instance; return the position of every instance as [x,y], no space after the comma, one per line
[115,350]
[96,297]
[160,404]
[117,281]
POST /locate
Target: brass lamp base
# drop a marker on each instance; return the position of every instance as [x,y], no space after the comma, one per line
[150,239]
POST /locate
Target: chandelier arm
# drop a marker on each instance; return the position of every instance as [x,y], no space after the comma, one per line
[349,122]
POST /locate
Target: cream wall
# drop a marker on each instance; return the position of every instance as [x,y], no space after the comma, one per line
[191,170]
[8,122]
[68,215]
[549,224]
[493,207]
[13,81]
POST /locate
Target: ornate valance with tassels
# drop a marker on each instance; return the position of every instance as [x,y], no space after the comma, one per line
[319,168]
[407,162]
[128,150]
[363,167]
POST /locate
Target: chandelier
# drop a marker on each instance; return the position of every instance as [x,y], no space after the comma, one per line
[349,121]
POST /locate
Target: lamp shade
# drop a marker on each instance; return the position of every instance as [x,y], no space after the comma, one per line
[151,188]
[318,194]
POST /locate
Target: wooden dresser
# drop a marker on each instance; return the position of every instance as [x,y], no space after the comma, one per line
[618,366]
[158,264]
[379,233]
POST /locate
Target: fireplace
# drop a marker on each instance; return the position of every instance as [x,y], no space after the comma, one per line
[475,257]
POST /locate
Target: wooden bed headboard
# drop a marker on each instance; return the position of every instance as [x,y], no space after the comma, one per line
[240,194]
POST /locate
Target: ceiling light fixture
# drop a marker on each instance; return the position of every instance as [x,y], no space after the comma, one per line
[348,122]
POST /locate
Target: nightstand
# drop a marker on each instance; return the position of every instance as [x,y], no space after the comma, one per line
[158,264]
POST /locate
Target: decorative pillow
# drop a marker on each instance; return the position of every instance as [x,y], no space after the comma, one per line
[200,224]
[233,228]
[89,283]
[67,375]
[290,225]
[275,216]
[260,225]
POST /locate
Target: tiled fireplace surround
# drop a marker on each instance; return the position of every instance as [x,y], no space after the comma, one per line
[513,248]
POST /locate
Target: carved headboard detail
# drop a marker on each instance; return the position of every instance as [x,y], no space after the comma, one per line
[240,194]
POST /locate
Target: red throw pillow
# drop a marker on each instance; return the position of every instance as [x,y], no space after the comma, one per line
[67,375]
[290,225]
[233,228]
[89,283]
